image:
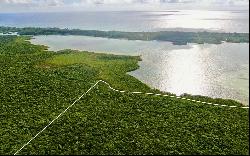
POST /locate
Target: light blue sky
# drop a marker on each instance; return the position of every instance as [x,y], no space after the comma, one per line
[100,5]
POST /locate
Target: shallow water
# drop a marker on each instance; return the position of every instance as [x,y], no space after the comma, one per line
[210,70]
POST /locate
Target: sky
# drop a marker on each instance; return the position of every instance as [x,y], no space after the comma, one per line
[116,5]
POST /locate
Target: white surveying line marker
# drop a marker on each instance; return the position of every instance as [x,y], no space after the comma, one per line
[136,92]
[57,117]
[120,92]
[245,107]
[232,106]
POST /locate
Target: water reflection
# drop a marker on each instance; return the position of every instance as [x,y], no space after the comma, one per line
[184,71]
[197,19]
[133,20]
[209,70]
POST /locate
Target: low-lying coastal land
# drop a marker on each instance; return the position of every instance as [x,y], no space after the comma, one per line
[37,85]
[176,37]
[213,70]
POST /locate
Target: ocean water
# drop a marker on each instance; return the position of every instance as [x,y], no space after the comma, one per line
[183,20]
[210,70]
[220,71]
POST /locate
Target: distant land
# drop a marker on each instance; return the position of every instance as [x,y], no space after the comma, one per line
[176,37]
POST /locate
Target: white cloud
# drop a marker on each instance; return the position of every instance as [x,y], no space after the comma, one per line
[16,1]
[165,1]
[59,5]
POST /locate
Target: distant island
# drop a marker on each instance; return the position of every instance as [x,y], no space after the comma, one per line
[176,37]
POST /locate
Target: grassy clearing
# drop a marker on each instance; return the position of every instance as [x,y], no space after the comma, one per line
[37,85]
[111,68]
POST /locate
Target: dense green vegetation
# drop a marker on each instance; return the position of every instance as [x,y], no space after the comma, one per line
[179,38]
[36,85]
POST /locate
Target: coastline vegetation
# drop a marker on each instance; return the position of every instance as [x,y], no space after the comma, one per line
[36,85]
[176,37]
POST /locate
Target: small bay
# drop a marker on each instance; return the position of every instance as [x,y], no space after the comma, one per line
[220,71]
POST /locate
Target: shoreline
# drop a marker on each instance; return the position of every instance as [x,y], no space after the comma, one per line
[39,85]
[122,54]
[176,37]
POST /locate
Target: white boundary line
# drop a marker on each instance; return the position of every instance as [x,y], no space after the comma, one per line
[171,96]
[57,117]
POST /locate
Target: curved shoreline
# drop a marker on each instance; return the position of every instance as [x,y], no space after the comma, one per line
[38,85]
[151,86]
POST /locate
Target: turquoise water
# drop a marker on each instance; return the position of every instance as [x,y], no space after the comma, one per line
[211,70]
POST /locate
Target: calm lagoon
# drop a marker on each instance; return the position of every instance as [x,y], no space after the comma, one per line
[220,71]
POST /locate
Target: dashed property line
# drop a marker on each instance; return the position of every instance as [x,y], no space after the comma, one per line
[164,95]
[137,92]
[197,101]
[173,96]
